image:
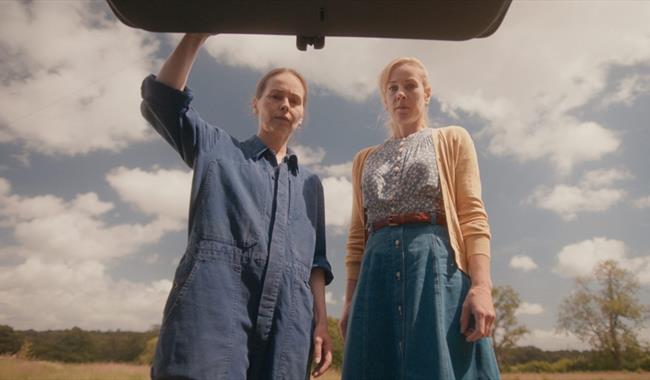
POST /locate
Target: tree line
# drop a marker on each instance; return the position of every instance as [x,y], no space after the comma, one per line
[603,311]
[79,346]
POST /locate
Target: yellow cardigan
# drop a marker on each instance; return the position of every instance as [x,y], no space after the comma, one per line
[460,184]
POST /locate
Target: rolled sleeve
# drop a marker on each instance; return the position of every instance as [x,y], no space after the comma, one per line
[169,111]
[160,94]
[320,256]
[320,262]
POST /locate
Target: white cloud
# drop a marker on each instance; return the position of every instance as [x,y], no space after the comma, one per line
[643,202]
[52,228]
[91,205]
[579,259]
[337,186]
[604,177]
[309,156]
[568,201]
[151,258]
[330,299]
[551,340]
[66,247]
[313,157]
[337,170]
[16,209]
[161,192]
[49,295]
[525,263]
[628,90]
[640,266]
[564,141]
[5,187]
[69,77]
[529,308]
[591,195]
[338,201]
[525,80]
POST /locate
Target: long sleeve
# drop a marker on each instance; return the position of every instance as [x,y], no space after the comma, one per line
[356,234]
[470,209]
[170,113]
[320,257]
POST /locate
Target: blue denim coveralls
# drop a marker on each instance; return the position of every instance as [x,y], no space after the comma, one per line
[241,305]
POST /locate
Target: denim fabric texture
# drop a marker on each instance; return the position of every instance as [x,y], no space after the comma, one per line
[241,304]
[405,317]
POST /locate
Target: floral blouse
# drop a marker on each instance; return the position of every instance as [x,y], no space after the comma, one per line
[401,176]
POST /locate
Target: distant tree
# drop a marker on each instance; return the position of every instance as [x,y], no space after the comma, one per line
[147,355]
[10,340]
[25,351]
[507,330]
[117,346]
[523,354]
[72,345]
[605,312]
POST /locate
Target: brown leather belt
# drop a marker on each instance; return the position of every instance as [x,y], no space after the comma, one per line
[411,218]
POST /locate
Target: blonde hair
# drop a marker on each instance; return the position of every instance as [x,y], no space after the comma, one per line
[261,84]
[383,85]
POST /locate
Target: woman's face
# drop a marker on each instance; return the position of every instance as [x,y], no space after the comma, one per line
[281,106]
[406,97]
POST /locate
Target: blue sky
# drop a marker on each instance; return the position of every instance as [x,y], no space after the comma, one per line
[93,203]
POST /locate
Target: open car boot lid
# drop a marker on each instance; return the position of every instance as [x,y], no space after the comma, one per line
[311,20]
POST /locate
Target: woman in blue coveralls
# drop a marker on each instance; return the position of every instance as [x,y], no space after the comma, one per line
[248,300]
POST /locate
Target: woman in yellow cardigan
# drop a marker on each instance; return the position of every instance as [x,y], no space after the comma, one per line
[418,298]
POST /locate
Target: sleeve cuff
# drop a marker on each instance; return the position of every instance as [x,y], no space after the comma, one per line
[159,93]
[322,263]
[477,245]
[353,269]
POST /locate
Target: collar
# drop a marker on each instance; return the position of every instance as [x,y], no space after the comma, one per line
[257,149]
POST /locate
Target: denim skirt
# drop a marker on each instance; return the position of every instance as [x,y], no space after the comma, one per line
[405,316]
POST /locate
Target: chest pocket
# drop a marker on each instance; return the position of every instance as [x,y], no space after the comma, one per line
[233,198]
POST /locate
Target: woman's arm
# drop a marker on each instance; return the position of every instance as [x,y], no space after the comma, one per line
[476,234]
[478,303]
[166,103]
[356,234]
[176,69]
[356,238]
[322,341]
[321,275]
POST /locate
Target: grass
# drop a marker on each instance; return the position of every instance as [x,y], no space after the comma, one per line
[19,369]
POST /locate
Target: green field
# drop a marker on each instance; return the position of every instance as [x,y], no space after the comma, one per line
[19,369]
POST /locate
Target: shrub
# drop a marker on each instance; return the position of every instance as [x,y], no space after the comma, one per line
[10,340]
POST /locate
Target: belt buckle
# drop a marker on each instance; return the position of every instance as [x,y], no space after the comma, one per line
[392,222]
